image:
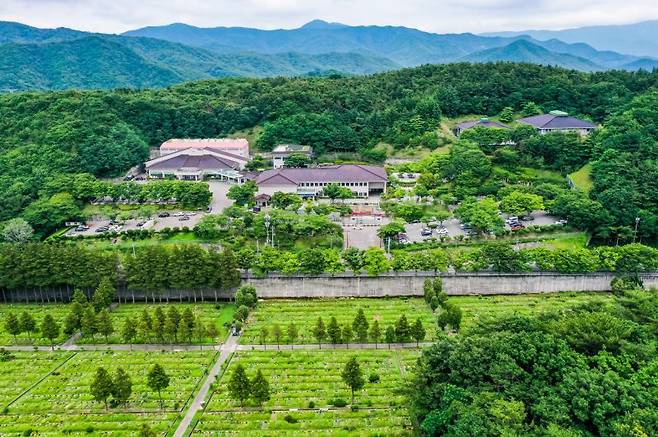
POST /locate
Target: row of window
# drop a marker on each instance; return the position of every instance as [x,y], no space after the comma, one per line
[342,184]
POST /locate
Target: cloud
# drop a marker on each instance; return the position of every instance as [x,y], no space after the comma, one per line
[115,16]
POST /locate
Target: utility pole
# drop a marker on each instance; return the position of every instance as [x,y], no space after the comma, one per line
[637,222]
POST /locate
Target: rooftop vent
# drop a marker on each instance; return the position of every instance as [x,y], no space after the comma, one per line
[559,113]
[484,120]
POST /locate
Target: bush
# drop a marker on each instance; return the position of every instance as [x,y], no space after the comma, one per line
[311,404]
[373,378]
[338,402]
[5,355]
[290,419]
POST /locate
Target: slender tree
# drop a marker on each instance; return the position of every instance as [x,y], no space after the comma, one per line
[89,323]
[418,331]
[292,334]
[360,326]
[50,329]
[353,376]
[389,335]
[28,324]
[276,334]
[158,380]
[375,333]
[122,386]
[402,330]
[264,335]
[102,386]
[73,321]
[187,323]
[12,325]
[333,331]
[347,334]
[159,324]
[319,332]
[145,325]
[260,388]
[239,385]
[129,332]
[104,324]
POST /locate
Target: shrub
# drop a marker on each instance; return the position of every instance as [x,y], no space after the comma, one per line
[5,355]
[290,419]
[373,378]
[311,404]
[338,402]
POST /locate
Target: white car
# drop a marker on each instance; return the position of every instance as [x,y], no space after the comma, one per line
[561,222]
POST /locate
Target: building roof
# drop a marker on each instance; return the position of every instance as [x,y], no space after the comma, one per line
[557,120]
[201,159]
[484,122]
[291,148]
[236,144]
[329,174]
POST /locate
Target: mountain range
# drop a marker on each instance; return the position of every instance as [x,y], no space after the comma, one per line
[639,39]
[44,59]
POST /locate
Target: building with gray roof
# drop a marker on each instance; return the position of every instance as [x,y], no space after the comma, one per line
[558,121]
[483,122]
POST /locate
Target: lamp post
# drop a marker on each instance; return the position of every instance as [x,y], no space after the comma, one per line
[267,219]
[637,222]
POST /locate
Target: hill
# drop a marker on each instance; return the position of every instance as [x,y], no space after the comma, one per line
[639,39]
[525,51]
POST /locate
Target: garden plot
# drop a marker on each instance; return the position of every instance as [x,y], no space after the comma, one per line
[58,311]
[476,308]
[304,314]
[207,313]
[304,385]
[62,401]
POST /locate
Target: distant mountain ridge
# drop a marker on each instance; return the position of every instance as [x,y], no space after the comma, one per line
[639,39]
[404,46]
[44,59]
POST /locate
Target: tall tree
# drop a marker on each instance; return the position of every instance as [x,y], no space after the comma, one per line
[28,324]
[122,386]
[333,331]
[102,386]
[352,376]
[12,325]
[104,324]
[402,329]
[293,333]
[276,334]
[158,380]
[347,334]
[319,332]
[239,386]
[360,326]
[89,323]
[389,335]
[418,331]
[50,329]
[129,331]
[375,333]
[260,388]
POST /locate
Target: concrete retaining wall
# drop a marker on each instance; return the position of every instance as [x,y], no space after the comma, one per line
[411,284]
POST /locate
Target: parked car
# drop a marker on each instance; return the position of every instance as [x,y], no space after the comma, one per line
[141,223]
[102,229]
[183,218]
[518,227]
[561,222]
[527,218]
[81,228]
[511,220]
[426,232]
[164,214]
[442,232]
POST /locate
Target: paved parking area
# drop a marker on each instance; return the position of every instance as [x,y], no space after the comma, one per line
[156,223]
[413,230]
[219,200]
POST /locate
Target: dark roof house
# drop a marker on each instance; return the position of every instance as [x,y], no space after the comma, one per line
[329,174]
[558,121]
[483,122]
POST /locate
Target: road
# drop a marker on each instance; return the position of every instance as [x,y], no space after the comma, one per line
[228,348]
[219,200]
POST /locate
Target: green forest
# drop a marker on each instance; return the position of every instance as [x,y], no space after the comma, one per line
[104,133]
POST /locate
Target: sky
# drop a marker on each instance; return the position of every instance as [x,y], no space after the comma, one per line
[440,16]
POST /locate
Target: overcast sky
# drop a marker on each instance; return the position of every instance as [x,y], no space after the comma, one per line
[441,16]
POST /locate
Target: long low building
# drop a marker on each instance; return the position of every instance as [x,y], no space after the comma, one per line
[234,146]
[363,180]
[558,121]
[196,164]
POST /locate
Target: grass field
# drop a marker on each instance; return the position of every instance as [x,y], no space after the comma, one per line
[476,308]
[304,314]
[54,396]
[299,377]
[582,179]
[205,312]
[58,311]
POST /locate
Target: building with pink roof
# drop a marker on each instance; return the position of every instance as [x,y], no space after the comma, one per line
[235,146]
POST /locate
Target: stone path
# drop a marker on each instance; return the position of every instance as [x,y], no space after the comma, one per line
[227,349]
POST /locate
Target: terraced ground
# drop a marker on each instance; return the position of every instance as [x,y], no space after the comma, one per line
[304,314]
[58,311]
[304,385]
[207,313]
[476,308]
[48,393]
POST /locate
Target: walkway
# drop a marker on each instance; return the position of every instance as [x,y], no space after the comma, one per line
[329,347]
[117,347]
[227,349]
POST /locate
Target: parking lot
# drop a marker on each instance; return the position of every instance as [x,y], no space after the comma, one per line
[176,219]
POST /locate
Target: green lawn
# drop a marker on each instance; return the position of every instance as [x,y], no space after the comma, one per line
[582,179]
[207,313]
[476,308]
[299,377]
[60,402]
[304,314]
[58,311]
[568,241]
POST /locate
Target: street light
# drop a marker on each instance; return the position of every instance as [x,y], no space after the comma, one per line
[267,219]
[637,222]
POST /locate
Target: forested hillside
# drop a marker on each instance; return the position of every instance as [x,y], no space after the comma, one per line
[106,132]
